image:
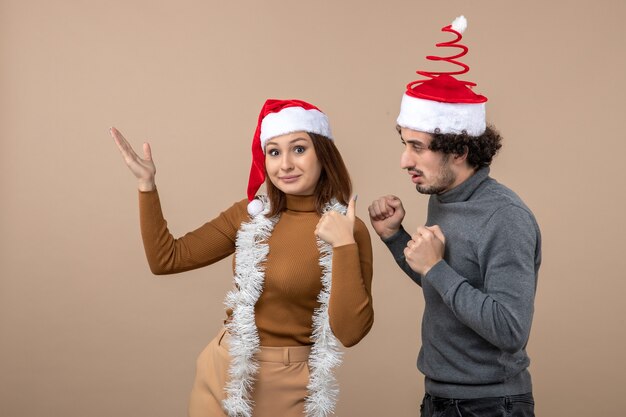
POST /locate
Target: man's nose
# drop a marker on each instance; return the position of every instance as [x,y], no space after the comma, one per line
[406,161]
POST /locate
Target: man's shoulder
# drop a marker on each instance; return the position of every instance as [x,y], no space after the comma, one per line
[499,196]
[506,209]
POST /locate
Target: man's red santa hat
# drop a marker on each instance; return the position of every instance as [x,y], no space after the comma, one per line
[442,103]
[280,117]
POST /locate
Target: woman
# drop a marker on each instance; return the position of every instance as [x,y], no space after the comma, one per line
[291,306]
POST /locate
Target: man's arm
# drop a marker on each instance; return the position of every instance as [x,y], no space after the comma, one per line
[386,215]
[396,244]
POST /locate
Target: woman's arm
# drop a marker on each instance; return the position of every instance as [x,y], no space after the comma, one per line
[167,255]
[350,308]
[209,243]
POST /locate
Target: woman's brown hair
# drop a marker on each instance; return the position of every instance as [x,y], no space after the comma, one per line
[334,181]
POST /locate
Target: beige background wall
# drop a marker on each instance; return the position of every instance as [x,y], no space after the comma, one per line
[86,330]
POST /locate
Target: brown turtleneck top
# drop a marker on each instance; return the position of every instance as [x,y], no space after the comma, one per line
[284,311]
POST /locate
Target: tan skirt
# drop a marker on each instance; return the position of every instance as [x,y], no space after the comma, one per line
[279,388]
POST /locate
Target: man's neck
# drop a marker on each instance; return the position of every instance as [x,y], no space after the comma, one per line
[461,176]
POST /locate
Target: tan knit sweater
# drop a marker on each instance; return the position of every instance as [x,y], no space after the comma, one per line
[284,311]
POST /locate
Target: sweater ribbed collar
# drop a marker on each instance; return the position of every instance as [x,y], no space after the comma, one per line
[304,203]
[464,191]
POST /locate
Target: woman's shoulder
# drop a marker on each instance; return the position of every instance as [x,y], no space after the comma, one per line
[237,213]
[241,205]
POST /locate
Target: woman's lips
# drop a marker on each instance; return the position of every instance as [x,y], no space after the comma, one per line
[290,178]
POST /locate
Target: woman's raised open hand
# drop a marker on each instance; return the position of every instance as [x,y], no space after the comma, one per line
[142,168]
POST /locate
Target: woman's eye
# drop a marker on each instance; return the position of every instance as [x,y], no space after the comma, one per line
[299,149]
[273,152]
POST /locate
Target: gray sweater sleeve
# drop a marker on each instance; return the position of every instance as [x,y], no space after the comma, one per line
[396,245]
[502,311]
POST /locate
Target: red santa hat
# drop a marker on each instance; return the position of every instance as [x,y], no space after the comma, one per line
[442,102]
[280,117]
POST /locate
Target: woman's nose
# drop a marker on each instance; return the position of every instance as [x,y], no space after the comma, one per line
[286,164]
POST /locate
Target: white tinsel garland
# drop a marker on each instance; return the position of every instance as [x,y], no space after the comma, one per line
[251,254]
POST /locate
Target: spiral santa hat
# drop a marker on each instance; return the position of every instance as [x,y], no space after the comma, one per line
[442,103]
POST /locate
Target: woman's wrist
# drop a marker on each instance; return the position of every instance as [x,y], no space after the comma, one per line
[146,185]
[343,242]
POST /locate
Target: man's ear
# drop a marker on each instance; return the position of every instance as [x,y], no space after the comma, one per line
[461,158]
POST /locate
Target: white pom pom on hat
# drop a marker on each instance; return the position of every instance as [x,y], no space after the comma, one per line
[459,24]
[255,207]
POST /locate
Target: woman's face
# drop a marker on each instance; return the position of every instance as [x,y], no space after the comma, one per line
[291,163]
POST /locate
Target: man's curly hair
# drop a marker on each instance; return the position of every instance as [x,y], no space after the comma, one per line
[480,149]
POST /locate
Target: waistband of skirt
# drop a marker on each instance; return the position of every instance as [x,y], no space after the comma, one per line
[279,354]
[285,354]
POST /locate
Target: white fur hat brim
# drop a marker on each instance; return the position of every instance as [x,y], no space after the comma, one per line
[294,119]
[429,115]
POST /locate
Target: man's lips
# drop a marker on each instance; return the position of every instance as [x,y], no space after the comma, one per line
[415,176]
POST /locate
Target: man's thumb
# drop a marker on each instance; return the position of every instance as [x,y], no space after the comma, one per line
[437,232]
[394,201]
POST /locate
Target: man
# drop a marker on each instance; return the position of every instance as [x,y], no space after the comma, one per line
[477,257]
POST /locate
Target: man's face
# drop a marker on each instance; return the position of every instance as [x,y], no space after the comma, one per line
[431,172]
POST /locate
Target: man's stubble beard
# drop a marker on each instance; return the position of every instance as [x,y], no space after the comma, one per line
[445,178]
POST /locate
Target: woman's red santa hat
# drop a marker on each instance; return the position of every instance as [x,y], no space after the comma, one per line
[280,117]
[442,103]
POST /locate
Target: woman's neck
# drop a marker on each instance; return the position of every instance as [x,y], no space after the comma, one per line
[304,203]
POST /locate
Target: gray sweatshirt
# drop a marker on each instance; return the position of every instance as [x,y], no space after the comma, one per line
[479,298]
